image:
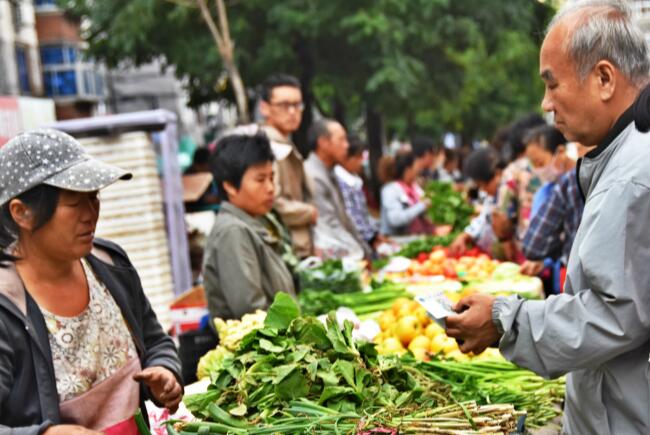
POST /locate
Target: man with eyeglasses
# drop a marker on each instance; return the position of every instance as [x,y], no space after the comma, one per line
[282,108]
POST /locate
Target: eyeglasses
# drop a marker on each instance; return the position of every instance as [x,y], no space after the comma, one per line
[287,106]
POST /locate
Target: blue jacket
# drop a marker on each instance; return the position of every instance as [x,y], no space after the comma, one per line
[29,402]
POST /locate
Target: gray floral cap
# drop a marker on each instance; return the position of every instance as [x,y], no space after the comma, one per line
[54,158]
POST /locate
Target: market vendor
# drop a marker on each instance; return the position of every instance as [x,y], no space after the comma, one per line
[403,203]
[80,347]
[243,267]
[595,65]
[483,167]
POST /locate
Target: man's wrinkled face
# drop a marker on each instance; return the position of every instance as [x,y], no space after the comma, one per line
[573,101]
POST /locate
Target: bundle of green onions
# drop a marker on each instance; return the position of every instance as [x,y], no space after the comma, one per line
[499,381]
[304,416]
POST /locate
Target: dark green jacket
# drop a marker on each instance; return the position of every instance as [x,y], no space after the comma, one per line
[243,267]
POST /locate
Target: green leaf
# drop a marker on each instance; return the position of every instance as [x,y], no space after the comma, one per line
[249,340]
[346,369]
[293,386]
[360,377]
[299,354]
[270,347]
[336,337]
[311,331]
[312,369]
[282,372]
[330,393]
[328,378]
[348,327]
[282,312]
[239,411]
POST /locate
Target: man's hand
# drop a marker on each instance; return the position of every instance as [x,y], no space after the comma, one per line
[163,386]
[443,230]
[532,268]
[473,327]
[502,226]
[69,429]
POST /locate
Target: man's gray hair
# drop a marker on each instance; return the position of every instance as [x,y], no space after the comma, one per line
[604,30]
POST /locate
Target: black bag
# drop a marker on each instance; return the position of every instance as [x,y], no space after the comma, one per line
[192,346]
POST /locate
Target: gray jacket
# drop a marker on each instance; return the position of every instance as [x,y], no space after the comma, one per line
[333,224]
[598,331]
[396,212]
[243,267]
[29,402]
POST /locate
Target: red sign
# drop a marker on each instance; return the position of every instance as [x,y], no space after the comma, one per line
[10,124]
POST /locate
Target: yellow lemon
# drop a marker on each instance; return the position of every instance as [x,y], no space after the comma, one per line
[407,328]
[450,345]
[438,343]
[423,317]
[397,305]
[420,342]
[419,354]
[386,320]
[392,345]
[457,355]
[433,329]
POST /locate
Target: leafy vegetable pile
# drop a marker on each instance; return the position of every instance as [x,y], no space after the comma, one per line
[427,244]
[317,302]
[448,207]
[296,357]
[331,275]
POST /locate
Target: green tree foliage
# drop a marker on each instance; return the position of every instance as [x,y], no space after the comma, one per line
[424,65]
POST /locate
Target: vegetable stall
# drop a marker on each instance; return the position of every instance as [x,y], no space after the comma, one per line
[356,354]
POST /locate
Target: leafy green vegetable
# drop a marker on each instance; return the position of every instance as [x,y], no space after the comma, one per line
[412,249]
[295,358]
[332,276]
[317,302]
[448,206]
[282,312]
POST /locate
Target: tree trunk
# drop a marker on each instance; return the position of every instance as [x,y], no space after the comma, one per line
[226,47]
[374,128]
[240,93]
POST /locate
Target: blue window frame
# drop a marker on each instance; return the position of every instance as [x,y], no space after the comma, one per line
[23,70]
[45,2]
[60,83]
[58,55]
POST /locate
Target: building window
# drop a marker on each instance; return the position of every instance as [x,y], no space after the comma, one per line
[23,71]
[58,55]
[40,4]
[61,83]
[68,73]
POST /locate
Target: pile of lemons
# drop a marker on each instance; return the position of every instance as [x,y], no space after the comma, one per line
[407,327]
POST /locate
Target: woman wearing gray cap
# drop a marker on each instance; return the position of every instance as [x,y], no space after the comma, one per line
[80,347]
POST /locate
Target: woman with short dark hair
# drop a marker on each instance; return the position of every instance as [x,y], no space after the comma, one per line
[244,265]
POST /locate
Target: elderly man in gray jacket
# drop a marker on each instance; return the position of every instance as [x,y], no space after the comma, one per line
[335,232]
[594,63]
